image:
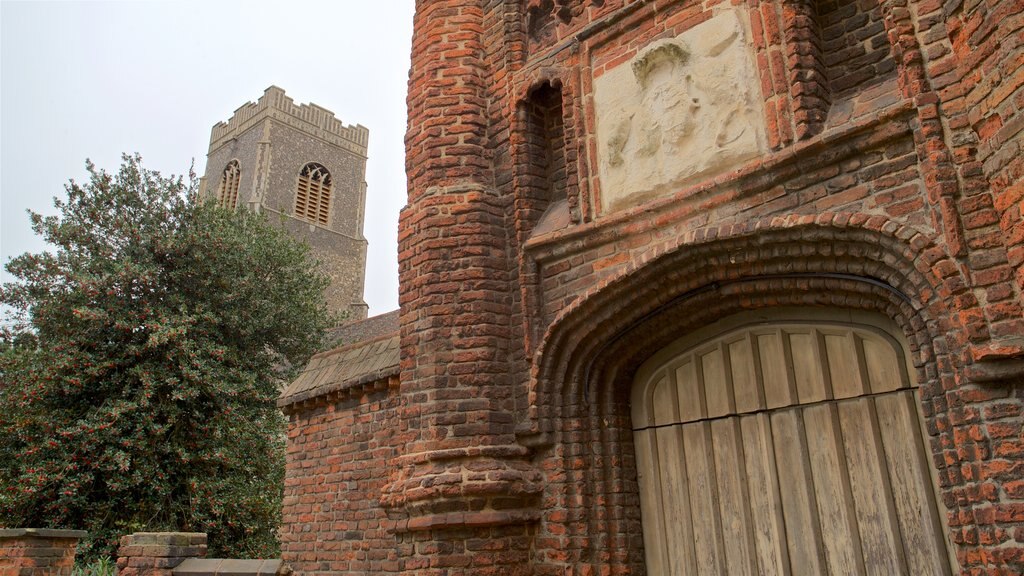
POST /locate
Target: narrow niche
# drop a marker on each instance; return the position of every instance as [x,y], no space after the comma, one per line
[544,17]
[857,49]
[543,205]
[858,57]
[540,22]
[840,60]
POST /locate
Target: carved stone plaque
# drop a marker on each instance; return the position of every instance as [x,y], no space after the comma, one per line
[684,109]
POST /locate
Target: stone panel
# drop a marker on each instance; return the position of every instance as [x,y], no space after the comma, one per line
[682,109]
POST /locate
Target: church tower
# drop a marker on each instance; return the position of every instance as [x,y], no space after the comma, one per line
[303,166]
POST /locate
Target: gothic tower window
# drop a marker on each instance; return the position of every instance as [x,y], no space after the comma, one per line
[227,194]
[313,196]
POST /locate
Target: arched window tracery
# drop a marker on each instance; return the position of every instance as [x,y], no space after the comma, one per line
[227,192]
[313,195]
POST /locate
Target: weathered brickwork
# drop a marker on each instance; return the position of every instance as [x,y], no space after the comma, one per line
[183,554]
[38,552]
[889,182]
[158,553]
[272,139]
[333,522]
[982,91]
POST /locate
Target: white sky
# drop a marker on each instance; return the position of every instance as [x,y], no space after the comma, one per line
[92,79]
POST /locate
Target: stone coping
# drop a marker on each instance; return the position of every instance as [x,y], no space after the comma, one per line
[167,538]
[41,533]
[230,567]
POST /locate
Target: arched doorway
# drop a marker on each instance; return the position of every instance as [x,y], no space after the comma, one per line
[785,442]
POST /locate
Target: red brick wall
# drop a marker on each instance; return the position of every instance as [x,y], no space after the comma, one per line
[854,43]
[988,59]
[338,453]
[38,552]
[892,184]
[459,465]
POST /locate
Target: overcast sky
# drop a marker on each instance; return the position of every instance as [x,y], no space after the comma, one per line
[92,79]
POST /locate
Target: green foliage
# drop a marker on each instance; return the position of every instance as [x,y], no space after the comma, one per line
[141,364]
[101,567]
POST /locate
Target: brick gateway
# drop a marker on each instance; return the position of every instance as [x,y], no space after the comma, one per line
[591,181]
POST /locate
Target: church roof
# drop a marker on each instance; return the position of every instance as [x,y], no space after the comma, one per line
[369,352]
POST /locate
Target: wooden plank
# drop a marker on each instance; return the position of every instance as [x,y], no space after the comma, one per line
[651,516]
[803,536]
[912,487]
[876,515]
[883,365]
[746,381]
[832,490]
[836,488]
[807,367]
[776,375]
[844,365]
[717,385]
[763,493]
[732,492]
[664,403]
[690,392]
[707,531]
[675,501]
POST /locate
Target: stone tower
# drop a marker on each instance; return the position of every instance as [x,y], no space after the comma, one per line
[299,163]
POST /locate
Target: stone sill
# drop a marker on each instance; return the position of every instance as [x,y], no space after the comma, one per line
[227,567]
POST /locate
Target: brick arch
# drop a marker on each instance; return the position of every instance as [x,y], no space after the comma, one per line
[556,76]
[891,263]
[610,373]
[578,403]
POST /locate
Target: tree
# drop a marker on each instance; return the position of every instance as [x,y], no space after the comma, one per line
[142,360]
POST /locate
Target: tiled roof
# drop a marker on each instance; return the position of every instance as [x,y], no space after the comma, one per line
[363,330]
[349,365]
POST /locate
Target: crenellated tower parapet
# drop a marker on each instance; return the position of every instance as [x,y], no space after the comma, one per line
[309,118]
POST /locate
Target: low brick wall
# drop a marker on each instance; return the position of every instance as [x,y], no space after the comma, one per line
[38,551]
[182,554]
[158,553]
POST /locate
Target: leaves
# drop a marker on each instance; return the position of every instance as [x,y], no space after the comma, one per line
[142,361]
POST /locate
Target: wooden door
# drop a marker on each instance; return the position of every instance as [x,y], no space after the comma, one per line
[789,447]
